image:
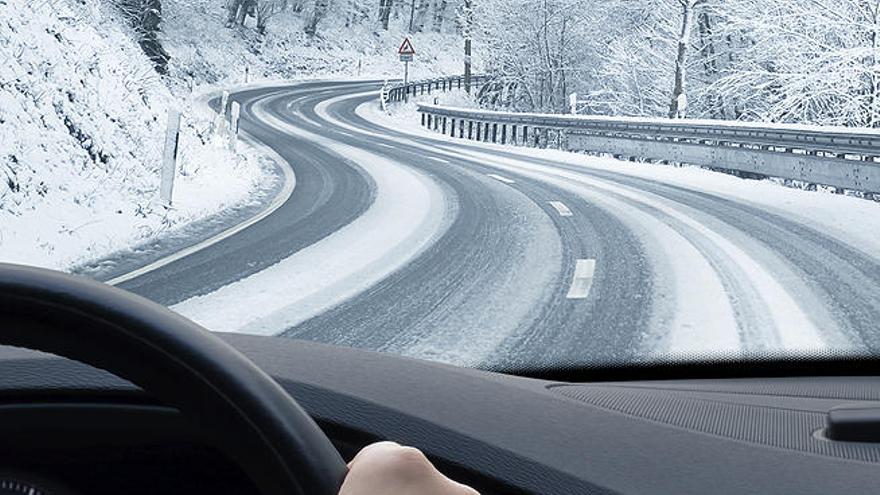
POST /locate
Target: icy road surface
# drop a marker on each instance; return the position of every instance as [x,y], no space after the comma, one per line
[400,240]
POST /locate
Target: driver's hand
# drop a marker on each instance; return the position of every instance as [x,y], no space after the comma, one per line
[386,468]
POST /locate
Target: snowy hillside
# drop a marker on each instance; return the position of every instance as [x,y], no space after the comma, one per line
[204,51]
[83,113]
[82,122]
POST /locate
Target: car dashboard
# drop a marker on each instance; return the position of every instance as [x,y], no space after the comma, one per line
[69,428]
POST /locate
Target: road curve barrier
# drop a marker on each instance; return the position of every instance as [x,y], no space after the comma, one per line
[402,92]
[843,158]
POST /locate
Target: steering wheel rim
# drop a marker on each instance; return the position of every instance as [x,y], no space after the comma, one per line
[253,419]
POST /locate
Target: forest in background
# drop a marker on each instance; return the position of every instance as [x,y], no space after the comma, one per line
[801,61]
[796,61]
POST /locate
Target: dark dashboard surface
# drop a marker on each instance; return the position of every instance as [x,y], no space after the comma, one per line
[503,434]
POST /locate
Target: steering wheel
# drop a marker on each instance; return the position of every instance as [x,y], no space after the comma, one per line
[251,417]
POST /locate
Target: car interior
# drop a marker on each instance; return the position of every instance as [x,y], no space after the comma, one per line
[107,392]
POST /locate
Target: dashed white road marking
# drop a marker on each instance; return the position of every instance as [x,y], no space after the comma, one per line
[582,280]
[441,160]
[387,145]
[502,179]
[560,208]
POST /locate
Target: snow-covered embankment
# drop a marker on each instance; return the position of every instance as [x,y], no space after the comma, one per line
[82,123]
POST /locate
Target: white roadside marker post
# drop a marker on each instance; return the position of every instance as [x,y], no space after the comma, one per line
[235,115]
[383,97]
[169,157]
[220,122]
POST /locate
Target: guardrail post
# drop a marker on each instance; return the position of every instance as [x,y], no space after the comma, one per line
[452,128]
[423,119]
[513,134]
[494,132]
[479,129]
[503,133]
[444,125]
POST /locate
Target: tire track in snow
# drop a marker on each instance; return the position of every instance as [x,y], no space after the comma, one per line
[606,325]
[409,211]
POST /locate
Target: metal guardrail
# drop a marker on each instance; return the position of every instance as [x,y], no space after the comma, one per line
[838,157]
[401,92]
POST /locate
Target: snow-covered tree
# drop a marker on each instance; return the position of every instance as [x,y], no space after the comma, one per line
[810,61]
[144,17]
[384,15]
[319,11]
[267,9]
[687,14]
[538,48]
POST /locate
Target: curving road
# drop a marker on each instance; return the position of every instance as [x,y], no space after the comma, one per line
[401,241]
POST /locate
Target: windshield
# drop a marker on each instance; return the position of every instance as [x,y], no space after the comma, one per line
[513,185]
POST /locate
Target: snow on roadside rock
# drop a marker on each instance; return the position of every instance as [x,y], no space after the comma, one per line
[82,123]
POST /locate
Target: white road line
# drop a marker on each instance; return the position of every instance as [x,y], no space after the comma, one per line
[387,145]
[277,202]
[502,179]
[560,208]
[582,280]
[438,159]
[388,237]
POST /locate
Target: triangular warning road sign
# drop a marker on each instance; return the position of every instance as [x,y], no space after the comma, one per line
[406,48]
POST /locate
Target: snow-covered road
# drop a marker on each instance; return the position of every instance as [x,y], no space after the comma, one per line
[401,240]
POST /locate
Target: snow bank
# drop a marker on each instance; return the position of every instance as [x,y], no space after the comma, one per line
[853,220]
[82,122]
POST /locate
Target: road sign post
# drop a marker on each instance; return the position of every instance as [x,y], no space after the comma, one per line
[406,52]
